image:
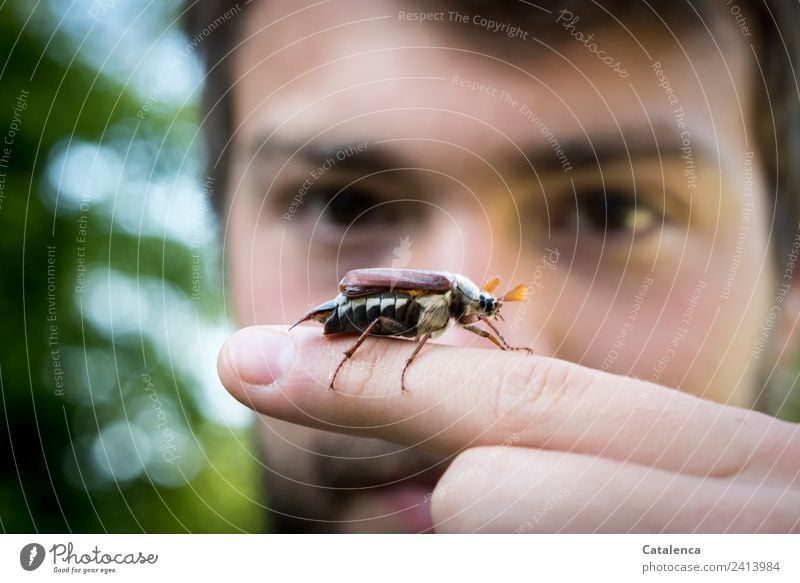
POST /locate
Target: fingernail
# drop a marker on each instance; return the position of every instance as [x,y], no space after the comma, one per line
[260,355]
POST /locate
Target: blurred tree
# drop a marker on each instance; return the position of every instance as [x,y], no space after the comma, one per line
[104,427]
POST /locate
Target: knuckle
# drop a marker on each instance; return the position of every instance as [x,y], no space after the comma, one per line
[527,394]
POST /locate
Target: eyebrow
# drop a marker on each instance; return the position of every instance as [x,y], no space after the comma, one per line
[659,142]
[347,155]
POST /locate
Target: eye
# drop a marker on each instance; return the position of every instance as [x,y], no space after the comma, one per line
[353,207]
[610,213]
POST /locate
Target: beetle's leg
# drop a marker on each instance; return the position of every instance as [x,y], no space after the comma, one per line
[506,345]
[350,351]
[471,319]
[481,332]
[422,341]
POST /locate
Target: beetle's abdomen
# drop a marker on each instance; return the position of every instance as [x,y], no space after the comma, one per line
[353,315]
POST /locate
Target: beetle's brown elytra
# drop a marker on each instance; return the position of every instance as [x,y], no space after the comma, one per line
[411,303]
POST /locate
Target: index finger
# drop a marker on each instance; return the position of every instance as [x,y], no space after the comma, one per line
[463,397]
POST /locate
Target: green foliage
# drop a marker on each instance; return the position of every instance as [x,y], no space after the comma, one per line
[103,429]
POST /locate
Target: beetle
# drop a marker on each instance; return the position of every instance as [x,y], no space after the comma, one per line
[411,303]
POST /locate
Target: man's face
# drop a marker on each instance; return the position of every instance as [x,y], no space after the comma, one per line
[614,175]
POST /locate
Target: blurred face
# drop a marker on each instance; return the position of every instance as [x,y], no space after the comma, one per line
[621,187]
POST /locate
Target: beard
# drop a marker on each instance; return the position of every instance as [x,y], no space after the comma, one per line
[323,482]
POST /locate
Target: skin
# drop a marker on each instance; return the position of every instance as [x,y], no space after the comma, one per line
[633,413]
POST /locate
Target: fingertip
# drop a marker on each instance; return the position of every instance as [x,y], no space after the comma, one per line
[225,368]
[229,374]
[253,358]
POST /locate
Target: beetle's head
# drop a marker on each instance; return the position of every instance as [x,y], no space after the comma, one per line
[484,302]
[489,305]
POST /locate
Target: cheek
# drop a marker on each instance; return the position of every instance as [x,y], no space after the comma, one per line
[620,325]
[263,282]
[680,325]
[274,276]
[650,328]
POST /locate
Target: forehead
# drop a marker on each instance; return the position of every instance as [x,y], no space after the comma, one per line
[341,71]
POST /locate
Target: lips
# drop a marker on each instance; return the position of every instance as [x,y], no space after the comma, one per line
[410,504]
[398,507]
[395,503]
[348,463]
[339,483]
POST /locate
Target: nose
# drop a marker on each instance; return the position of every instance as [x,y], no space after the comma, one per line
[527,323]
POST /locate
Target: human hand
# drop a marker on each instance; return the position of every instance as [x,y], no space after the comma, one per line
[538,444]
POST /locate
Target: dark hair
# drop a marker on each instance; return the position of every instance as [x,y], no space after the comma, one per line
[775,28]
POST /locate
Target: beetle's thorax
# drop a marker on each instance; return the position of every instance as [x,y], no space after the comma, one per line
[466,287]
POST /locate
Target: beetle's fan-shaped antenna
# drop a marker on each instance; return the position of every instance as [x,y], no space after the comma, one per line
[491,284]
[518,294]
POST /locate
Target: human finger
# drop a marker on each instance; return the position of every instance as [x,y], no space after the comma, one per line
[463,397]
[516,489]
